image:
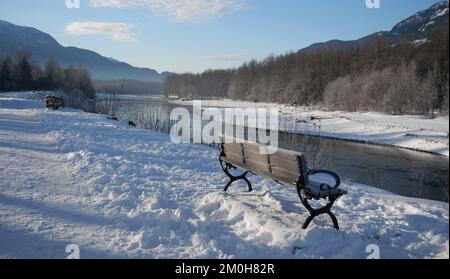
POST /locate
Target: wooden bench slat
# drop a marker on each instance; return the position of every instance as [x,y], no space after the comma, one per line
[255,154]
[286,155]
[259,158]
[284,175]
[232,148]
[256,148]
[256,167]
[286,164]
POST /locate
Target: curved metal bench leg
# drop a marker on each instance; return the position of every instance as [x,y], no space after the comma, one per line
[317,212]
[334,219]
[228,185]
[308,221]
[250,188]
[235,178]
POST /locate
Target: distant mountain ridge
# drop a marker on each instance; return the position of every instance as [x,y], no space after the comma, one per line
[42,46]
[417,27]
[423,22]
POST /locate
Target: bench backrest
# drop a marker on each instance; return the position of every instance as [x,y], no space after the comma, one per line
[283,166]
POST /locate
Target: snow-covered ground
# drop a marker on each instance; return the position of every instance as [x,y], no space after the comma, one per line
[69,177]
[406,131]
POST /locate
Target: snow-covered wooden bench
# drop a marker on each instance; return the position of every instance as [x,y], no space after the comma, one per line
[285,167]
[53,102]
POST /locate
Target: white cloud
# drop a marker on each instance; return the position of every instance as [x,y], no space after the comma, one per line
[121,32]
[177,10]
[234,57]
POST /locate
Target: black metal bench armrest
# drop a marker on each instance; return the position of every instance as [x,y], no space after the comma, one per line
[330,173]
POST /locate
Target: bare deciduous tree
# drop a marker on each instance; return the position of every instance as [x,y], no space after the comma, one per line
[376,76]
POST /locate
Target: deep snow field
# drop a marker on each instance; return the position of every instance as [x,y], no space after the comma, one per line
[69,177]
[406,131]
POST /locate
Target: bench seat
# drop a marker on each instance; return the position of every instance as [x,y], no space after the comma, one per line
[320,191]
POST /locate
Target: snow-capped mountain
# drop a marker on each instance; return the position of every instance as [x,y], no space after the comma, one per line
[423,22]
[416,30]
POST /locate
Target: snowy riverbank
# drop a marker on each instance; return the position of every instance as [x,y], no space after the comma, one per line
[72,177]
[406,131]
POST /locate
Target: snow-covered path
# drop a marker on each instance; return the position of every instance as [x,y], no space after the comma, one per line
[72,177]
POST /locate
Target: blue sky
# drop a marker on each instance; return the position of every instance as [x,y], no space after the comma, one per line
[194,35]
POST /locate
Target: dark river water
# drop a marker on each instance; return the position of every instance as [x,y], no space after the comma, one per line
[401,171]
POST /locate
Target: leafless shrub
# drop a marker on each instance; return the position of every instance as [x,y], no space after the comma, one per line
[443,185]
[155,118]
[434,180]
[309,141]
[76,99]
[107,106]
[399,90]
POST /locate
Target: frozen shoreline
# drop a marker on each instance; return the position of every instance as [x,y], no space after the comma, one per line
[407,131]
